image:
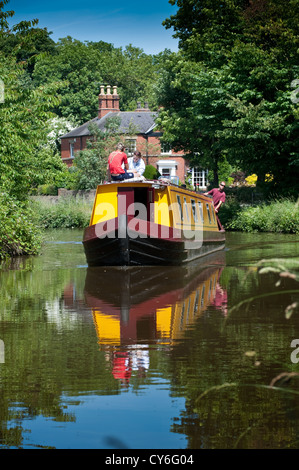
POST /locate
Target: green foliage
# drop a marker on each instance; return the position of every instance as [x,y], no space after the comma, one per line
[91,164]
[18,234]
[68,212]
[151,173]
[281,216]
[26,45]
[229,211]
[47,190]
[25,161]
[68,178]
[23,117]
[227,93]
[82,67]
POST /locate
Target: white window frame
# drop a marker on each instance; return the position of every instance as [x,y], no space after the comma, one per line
[201,176]
[170,165]
[166,148]
[72,150]
[130,145]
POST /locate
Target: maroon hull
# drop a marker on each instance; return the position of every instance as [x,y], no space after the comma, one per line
[124,247]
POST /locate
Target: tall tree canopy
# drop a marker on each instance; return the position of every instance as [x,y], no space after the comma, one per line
[24,113]
[227,93]
[83,67]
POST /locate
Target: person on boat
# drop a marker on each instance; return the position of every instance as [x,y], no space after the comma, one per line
[218,195]
[118,165]
[136,164]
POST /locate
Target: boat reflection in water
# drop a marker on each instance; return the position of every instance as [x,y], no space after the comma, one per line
[134,307]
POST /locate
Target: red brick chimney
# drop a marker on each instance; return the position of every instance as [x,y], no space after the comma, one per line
[109,102]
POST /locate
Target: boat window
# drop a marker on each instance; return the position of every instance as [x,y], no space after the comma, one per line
[209,213]
[180,206]
[200,211]
[202,295]
[213,214]
[186,209]
[194,210]
[196,301]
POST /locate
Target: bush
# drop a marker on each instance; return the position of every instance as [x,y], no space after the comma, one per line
[47,190]
[68,212]
[18,234]
[151,173]
[279,216]
[229,210]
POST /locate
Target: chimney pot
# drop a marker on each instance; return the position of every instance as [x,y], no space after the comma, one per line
[108,102]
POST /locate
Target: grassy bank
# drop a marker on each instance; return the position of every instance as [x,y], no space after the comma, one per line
[67,212]
[279,216]
[20,229]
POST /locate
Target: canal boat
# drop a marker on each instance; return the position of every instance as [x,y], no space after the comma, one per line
[150,223]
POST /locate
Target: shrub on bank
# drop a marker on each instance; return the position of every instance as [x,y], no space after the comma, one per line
[151,173]
[18,233]
[68,212]
[281,216]
[47,190]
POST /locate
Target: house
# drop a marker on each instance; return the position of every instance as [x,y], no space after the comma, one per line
[146,139]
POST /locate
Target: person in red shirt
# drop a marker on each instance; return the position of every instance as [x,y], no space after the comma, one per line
[218,195]
[116,160]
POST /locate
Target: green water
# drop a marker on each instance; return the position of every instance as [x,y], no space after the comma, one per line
[150,359]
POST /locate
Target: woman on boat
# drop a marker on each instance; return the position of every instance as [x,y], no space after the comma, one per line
[118,164]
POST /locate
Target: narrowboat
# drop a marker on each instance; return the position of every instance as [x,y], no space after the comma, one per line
[150,223]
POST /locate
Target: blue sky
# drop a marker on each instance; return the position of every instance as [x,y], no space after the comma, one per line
[119,22]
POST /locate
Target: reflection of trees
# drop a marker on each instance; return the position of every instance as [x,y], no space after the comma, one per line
[42,360]
[225,367]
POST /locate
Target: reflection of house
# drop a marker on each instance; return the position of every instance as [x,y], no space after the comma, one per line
[140,133]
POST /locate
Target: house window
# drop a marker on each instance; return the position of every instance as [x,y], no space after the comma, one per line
[166,172]
[72,150]
[130,146]
[167,168]
[199,178]
[165,148]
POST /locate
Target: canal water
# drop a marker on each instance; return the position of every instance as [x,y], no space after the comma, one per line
[203,357]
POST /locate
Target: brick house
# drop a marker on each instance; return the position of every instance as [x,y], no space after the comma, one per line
[146,139]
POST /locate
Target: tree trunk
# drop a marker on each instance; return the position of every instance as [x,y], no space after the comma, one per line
[260,183]
[215,172]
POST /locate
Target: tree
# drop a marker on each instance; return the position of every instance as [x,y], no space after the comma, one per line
[83,67]
[91,163]
[23,117]
[24,112]
[227,93]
